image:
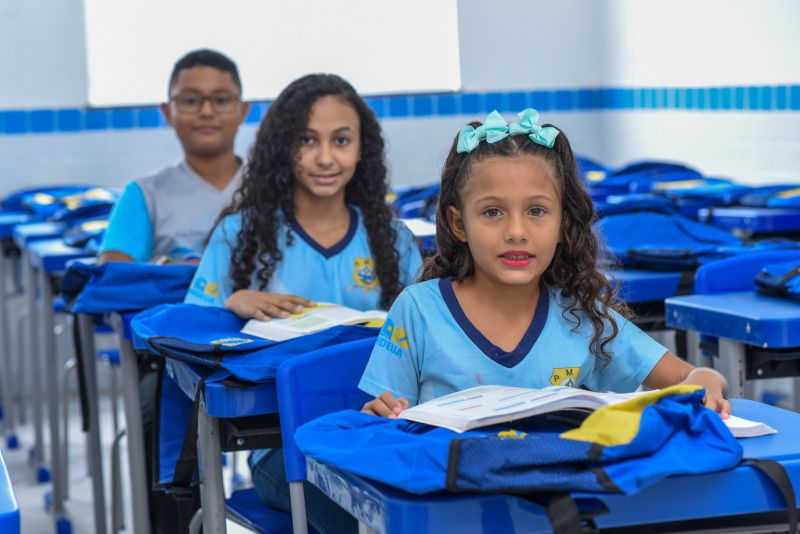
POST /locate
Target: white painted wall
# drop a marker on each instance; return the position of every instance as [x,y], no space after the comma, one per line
[505,45]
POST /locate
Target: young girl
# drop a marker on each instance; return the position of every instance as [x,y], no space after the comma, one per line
[309,223]
[514,296]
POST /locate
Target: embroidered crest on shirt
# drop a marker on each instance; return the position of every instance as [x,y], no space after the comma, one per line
[364,274]
[205,290]
[565,376]
[392,338]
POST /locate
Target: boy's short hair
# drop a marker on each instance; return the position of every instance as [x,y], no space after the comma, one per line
[205,57]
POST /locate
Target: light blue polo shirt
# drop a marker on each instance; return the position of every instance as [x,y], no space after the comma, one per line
[169,213]
[343,273]
[429,348]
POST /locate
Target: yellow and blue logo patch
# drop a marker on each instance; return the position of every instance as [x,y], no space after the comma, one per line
[205,289]
[364,274]
[565,376]
[392,338]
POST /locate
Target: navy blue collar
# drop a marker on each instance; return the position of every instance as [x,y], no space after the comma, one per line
[506,359]
[338,247]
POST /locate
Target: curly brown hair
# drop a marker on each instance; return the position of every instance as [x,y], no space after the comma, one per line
[265,197]
[574,266]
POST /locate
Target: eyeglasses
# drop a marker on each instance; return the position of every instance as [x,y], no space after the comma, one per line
[193,103]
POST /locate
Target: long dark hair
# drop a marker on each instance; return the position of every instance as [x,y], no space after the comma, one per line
[267,187]
[574,266]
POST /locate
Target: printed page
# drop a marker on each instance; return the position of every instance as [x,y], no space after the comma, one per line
[322,316]
[744,428]
[484,405]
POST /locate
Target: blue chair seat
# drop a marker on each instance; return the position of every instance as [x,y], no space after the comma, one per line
[247,509]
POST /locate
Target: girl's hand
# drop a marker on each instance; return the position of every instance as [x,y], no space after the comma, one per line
[385,406]
[249,304]
[715,386]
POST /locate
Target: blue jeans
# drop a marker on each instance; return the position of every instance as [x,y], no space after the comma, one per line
[269,478]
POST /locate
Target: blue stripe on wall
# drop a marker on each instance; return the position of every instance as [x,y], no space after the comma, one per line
[750,98]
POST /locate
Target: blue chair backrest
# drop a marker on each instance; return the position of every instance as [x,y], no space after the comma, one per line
[737,273]
[315,384]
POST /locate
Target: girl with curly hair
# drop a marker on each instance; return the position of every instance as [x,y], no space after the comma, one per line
[514,295]
[308,223]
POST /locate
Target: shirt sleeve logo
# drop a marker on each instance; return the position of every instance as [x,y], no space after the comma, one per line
[392,338]
[364,274]
[205,290]
[565,376]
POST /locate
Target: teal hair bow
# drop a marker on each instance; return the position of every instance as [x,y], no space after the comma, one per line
[495,128]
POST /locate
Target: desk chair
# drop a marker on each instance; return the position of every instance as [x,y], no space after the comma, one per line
[751,336]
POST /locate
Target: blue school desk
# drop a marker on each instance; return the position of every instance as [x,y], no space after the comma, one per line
[23,235]
[425,233]
[46,260]
[9,510]
[740,496]
[8,267]
[219,402]
[753,221]
[636,285]
[759,335]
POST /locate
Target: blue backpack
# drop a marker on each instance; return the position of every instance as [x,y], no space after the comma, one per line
[662,241]
[780,279]
[622,448]
[98,289]
[210,337]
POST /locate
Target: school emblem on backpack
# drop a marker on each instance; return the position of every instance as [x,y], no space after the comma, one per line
[565,376]
[364,274]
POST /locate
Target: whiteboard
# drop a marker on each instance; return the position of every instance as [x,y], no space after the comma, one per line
[380,46]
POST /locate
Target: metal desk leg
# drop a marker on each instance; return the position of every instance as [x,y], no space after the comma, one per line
[731,363]
[51,369]
[86,332]
[693,353]
[36,362]
[212,493]
[137,463]
[298,507]
[9,415]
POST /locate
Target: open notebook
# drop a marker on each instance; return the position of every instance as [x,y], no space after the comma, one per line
[487,405]
[311,320]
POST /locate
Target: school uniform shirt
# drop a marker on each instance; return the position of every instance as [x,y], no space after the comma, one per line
[428,348]
[343,273]
[167,214]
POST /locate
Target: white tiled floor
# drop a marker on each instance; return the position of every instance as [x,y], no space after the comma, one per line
[79,506]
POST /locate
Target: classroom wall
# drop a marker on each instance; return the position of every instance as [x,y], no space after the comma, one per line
[715,84]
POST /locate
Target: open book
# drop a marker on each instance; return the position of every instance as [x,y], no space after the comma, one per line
[309,321]
[489,405]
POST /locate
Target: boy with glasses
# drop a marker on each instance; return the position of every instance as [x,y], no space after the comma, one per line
[169,214]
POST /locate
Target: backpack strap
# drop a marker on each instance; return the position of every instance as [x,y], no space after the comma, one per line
[563,513]
[186,465]
[780,478]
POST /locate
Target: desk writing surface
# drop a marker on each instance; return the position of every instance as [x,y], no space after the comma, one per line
[224,401]
[26,233]
[636,285]
[745,316]
[11,219]
[753,220]
[52,255]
